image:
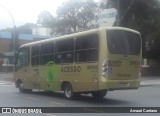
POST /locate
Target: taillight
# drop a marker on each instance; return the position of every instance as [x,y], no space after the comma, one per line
[105,68]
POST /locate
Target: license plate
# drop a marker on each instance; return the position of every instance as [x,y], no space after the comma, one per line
[124,84]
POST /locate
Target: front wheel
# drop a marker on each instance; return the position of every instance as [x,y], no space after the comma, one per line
[68,91]
[99,94]
[21,88]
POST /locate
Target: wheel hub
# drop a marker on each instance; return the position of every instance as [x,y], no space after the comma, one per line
[68,92]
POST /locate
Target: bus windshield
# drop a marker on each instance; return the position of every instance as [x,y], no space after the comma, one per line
[123,42]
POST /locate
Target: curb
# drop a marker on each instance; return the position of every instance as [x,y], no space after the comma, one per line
[150,82]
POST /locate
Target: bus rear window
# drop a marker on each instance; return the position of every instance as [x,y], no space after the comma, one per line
[123,42]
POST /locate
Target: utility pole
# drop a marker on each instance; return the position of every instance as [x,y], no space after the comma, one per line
[118,14]
[14,36]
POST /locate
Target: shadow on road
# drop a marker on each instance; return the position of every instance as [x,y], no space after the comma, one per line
[82,98]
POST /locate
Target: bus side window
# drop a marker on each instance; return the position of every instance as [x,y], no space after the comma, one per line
[65,51]
[47,54]
[23,58]
[87,48]
[35,55]
[26,57]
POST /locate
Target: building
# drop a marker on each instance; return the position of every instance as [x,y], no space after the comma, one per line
[42,31]
[6,56]
[106,17]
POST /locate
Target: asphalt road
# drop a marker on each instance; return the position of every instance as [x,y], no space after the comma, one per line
[145,96]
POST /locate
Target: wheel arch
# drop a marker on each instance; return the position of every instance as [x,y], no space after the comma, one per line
[17,82]
[65,83]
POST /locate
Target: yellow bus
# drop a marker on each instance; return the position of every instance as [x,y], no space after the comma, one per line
[94,61]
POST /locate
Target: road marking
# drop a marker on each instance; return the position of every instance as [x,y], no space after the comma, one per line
[33,98]
[6,85]
[57,103]
[5,82]
[50,115]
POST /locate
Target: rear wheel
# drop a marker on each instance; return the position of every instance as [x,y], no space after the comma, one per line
[99,94]
[68,91]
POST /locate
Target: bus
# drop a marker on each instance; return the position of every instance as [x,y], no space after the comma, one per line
[94,61]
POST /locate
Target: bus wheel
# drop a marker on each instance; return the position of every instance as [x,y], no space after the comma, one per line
[21,88]
[99,94]
[68,91]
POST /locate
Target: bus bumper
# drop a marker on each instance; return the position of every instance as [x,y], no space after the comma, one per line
[119,84]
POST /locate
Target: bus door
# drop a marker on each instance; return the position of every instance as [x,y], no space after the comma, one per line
[35,60]
[23,67]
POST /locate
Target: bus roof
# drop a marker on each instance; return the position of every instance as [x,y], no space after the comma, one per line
[122,28]
[74,35]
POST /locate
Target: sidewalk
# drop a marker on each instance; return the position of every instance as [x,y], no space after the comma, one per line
[145,80]
[6,77]
[149,80]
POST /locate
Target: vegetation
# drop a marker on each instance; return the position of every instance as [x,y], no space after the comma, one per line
[143,16]
[70,16]
[73,15]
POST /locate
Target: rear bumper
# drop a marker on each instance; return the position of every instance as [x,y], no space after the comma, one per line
[119,84]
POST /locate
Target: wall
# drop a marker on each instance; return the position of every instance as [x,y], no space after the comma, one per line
[4,45]
[41,31]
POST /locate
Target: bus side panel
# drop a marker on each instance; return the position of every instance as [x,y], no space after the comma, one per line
[24,75]
[83,77]
[102,56]
[50,78]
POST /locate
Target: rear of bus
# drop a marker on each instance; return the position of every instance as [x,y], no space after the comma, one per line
[120,62]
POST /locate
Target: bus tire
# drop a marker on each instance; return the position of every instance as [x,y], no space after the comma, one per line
[68,91]
[21,88]
[99,94]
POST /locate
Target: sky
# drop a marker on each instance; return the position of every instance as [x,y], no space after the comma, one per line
[25,11]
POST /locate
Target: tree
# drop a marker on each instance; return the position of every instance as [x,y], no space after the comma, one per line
[143,16]
[26,28]
[46,19]
[71,15]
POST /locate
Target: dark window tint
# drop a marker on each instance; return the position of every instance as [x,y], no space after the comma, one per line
[87,42]
[47,59]
[64,57]
[35,55]
[87,48]
[47,48]
[35,60]
[64,51]
[65,45]
[123,42]
[35,50]
[87,55]
[23,58]
[47,54]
